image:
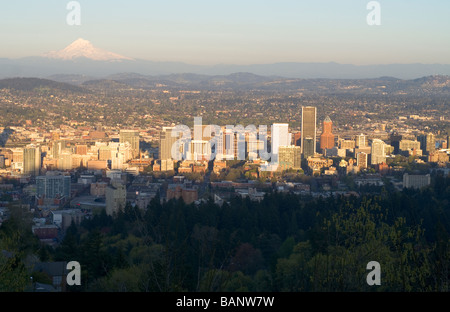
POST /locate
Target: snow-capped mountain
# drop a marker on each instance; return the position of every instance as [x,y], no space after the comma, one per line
[82,48]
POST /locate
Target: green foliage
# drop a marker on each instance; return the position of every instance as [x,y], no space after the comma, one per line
[282,243]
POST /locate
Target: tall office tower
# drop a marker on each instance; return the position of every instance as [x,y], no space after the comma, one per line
[327,137]
[427,142]
[118,158]
[280,137]
[228,146]
[104,152]
[233,145]
[58,147]
[132,137]
[361,141]
[430,143]
[199,150]
[308,131]
[65,160]
[120,154]
[166,141]
[361,160]
[289,157]
[253,146]
[395,139]
[116,196]
[309,146]
[52,186]
[32,160]
[378,152]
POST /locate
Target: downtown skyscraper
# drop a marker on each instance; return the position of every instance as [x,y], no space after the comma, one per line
[32,160]
[280,137]
[327,137]
[165,143]
[308,131]
[378,153]
[132,137]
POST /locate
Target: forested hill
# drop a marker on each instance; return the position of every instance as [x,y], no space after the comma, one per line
[30,84]
[283,243]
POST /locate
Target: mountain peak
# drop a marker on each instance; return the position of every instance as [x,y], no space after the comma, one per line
[80,42]
[82,48]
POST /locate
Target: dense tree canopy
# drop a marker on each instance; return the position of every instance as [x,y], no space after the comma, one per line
[284,242]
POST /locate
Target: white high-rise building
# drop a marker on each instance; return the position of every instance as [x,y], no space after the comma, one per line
[280,137]
[361,141]
[120,154]
[378,152]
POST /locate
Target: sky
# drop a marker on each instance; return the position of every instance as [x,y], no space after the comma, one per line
[235,32]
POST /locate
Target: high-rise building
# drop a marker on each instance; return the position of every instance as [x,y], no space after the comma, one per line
[104,153]
[65,160]
[31,160]
[52,186]
[120,154]
[166,141]
[116,197]
[308,147]
[199,150]
[413,147]
[395,139]
[289,157]
[308,131]
[279,137]
[58,146]
[132,137]
[233,145]
[361,141]
[427,143]
[327,137]
[361,160]
[378,152]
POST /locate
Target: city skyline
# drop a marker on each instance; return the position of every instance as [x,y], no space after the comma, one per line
[219,147]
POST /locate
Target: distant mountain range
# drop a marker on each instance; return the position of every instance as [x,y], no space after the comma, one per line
[81,58]
[428,86]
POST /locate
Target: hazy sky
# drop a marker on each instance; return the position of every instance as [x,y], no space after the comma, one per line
[235,32]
